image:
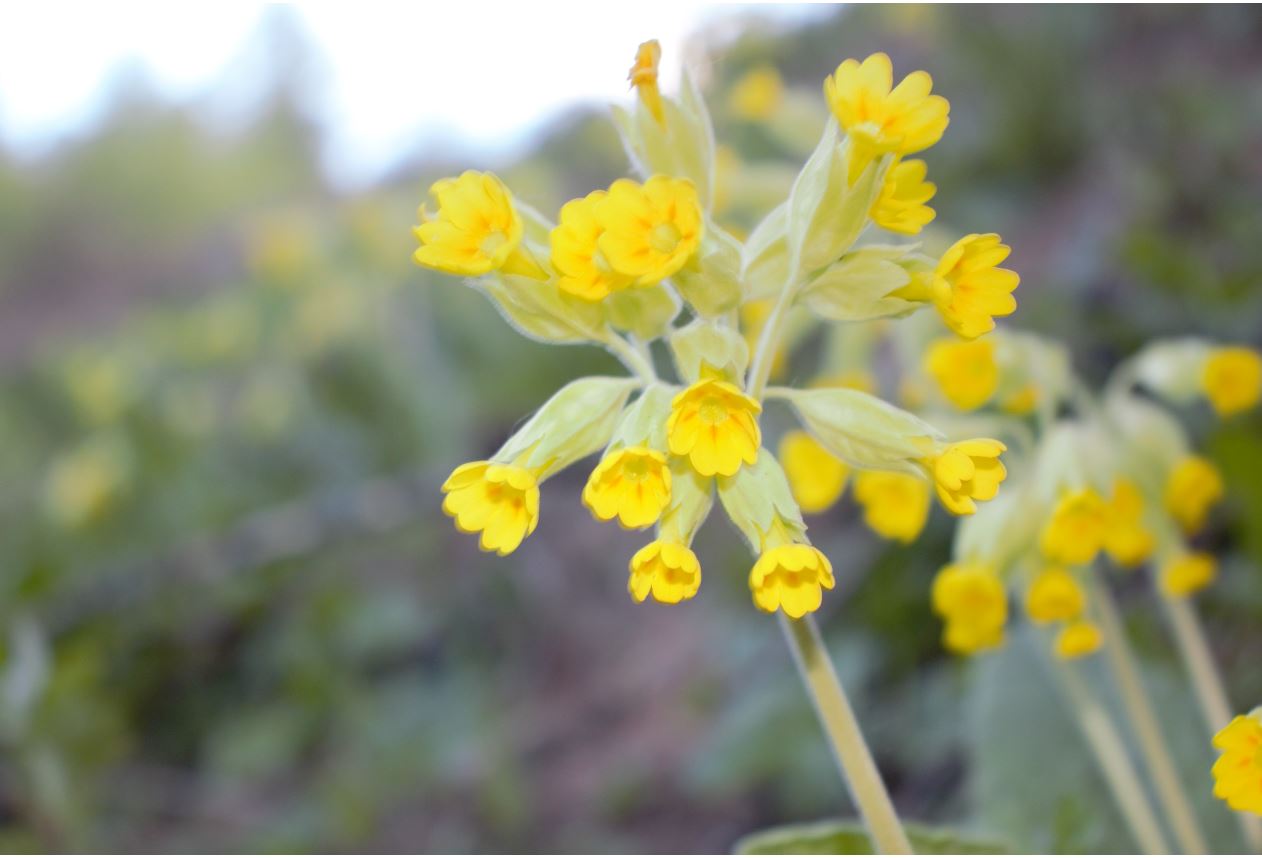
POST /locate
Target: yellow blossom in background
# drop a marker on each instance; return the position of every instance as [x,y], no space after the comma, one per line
[895,505]
[81,484]
[476,230]
[715,426]
[901,207]
[1232,379]
[1077,640]
[1054,595]
[881,118]
[1075,532]
[583,269]
[972,600]
[791,578]
[816,476]
[631,484]
[1193,487]
[668,570]
[757,95]
[1188,574]
[499,501]
[649,231]
[643,76]
[966,472]
[1126,539]
[1021,402]
[968,287]
[1238,772]
[966,371]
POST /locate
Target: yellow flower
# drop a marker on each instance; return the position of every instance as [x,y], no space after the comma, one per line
[1075,532]
[1021,402]
[1077,640]
[1194,485]
[966,371]
[969,289]
[1055,595]
[643,76]
[1238,772]
[901,207]
[879,117]
[1126,539]
[816,476]
[668,570]
[792,578]
[1232,379]
[973,601]
[476,230]
[631,484]
[967,471]
[1188,574]
[966,639]
[895,505]
[757,94]
[649,230]
[499,501]
[584,271]
[715,426]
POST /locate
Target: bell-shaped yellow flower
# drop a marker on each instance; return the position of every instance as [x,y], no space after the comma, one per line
[643,76]
[1238,772]
[968,287]
[476,230]
[668,570]
[1232,379]
[499,501]
[895,505]
[1077,640]
[1075,532]
[966,472]
[972,600]
[1193,487]
[791,578]
[901,206]
[631,484]
[649,231]
[715,426]
[1126,539]
[584,271]
[882,118]
[1055,596]
[966,371]
[1188,574]
[816,476]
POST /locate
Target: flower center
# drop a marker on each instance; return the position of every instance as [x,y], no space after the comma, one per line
[635,469]
[664,238]
[493,242]
[712,410]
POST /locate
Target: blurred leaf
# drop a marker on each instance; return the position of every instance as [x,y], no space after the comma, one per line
[851,838]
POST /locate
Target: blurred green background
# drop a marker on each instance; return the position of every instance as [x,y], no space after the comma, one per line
[234,617]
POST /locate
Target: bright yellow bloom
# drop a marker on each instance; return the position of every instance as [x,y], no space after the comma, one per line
[972,600]
[1193,487]
[1077,640]
[631,484]
[792,578]
[715,426]
[1075,532]
[966,371]
[757,95]
[1126,539]
[1238,772]
[895,505]
[968,287]
[879,117]
[966,639]
[476,230]
[1188,574]
[967,471]
[499,501]
[1055,595]
[1232,380]
[901,207]
[643,76]
[668,570]
[649,230]
[816,476]
[584,271]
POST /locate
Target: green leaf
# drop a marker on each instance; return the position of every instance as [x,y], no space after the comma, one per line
[842,837]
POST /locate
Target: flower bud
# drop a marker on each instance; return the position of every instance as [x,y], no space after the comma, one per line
[859,285]
[863,430]
[709,349]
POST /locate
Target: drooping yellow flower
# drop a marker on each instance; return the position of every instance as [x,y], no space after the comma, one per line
[895,506]
[1126,539]
[584,271]
[1193,487]
[1232,379]
[1055,596]
[1238,772]
[476,230]
[816,476]
[1077,640]
[643,76]
[649,231]
[499,501]
[965,370]
[631,484]
[1188,574]
[972,600]
[968,287]
[668,570]
[966,639]
[791,578]
[757,95]
[880,118]
[715,426]
[966,472]
[901,207]
[1075,532]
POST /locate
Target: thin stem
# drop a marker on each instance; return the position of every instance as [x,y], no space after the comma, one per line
[842,728]
[631,357]
[769,341]
[1139,708]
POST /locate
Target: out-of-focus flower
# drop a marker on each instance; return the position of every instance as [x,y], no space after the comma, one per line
[895,505]
[1075,532]
[668,570]
[816,476]
[791,578]
[499,501]
[1126,539]
[1188,574]
[715,426]
[966,472]
[83,483]
[631,484]
[649,231]
[966,371]
[1238,771]
[1055,596]
[757,95]
[1193,487]
[972,600]
[643,76]
[476,230]
[1232,379]
[901,207]
[1077,640]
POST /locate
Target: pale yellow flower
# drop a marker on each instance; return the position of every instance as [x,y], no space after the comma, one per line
[1076,640]
[972,600]
[1055,595]
[649,231]
[1232,379]
[816,476]
[791,578]
[1188,574]
[966,472]
[583,269]
[631,484]
[895,505]
[715,426]
[643,76]
[668,570]
[476,230]
[1075,532]
[1192,489]
[901,207]
[757,95]
[1238,772]
[499,501]
[966,371]
[1126,539]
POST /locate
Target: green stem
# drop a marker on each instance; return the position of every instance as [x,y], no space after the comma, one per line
[842,728]
[631,357]
[769,341]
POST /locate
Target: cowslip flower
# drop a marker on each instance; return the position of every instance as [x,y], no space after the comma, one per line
[901,206]
[966,472]
[1238,771]
[475,231]
[1188,574]
[643,77]
[757,95]
[816,476]
[972,600]
[880,118]
[667,570]
[1232,379]
[631,484]
[965,370]
[1193,487]
[649,231]
[792,578]
[968,287]
[583,269]
[1077,640]
[1075,532]
[1126,539]
[1054,596]
[1022,401]
[715,426]
[499,501]
[895,505]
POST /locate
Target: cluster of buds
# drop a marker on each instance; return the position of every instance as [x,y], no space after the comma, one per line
[647,262]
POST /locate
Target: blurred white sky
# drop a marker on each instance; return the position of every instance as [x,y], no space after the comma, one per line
[397,73]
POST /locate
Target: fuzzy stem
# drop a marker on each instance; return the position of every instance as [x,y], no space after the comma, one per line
[769,341]
[842,729]
[631,357]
